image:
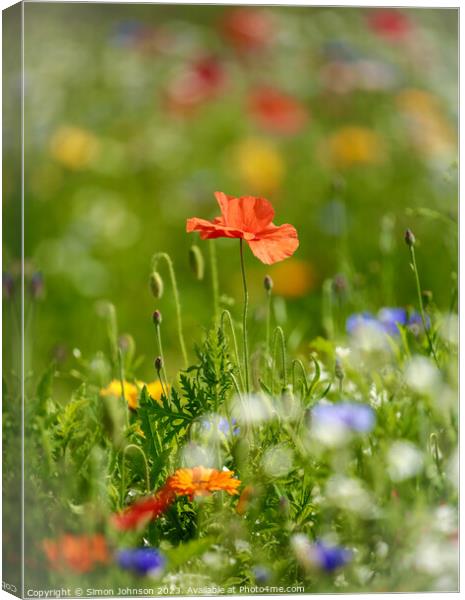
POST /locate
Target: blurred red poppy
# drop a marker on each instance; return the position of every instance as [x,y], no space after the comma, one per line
[144,510]
[276,111]
[248,28]
[250,219]
[79,553]
[389,23]
[199,82]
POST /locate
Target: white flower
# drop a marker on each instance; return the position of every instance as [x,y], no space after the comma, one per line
[422,375]
[278,461]
[342,352]
[404,460]
[348,493]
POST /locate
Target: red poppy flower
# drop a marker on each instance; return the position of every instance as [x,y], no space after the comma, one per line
[200,82]
[250,219]
[389,23]
[276,111]
[79,553]
[247,28]
[144,510]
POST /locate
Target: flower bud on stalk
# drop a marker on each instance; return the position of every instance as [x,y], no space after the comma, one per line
[156,317]
[268,283]
[158,364]
[338,370]
[409,238]
[196,262]
[156,284]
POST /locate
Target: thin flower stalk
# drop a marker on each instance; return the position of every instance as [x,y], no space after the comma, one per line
[155,259]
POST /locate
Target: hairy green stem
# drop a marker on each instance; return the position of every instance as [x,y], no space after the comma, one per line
[420,302]
[123,469]
[299,363]
[244,318]
[227,314]
[279,332]
[214,276]
[166,257]
[160,349]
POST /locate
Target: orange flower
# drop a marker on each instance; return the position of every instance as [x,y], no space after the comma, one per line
[277,112]
[79,553]
[249,218]
[200,481]
[115,388]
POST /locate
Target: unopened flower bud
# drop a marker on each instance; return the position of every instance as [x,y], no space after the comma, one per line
[196,262]
[409,238]
[37,286]
[268,283]
[338,370]
[158,364]
[156,284]
[156,317]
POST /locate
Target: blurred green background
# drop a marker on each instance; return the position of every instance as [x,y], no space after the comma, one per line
[136,115]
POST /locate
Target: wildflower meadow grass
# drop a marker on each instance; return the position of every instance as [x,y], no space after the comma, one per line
[241,303]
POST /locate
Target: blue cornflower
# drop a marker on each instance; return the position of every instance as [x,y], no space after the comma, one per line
[146,561]
[350,415]
[388,320]
[391,318]
[223,425]
[358,320]
[330,557]
[262,574]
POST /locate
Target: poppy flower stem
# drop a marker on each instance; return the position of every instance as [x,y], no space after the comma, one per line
[166,257]
[160,348]
[244,318]
[420,303]
[214,276]
[226,314]
[279,332]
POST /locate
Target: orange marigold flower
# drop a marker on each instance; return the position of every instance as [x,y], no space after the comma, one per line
[79,553]
[276,111]
[200,481]
[249,218]
[197,481]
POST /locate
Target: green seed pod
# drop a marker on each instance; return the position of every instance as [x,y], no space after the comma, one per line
[156,284]
[196,262]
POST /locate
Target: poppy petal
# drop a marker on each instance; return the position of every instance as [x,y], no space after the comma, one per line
[275,243]
[213,229]
[248,214]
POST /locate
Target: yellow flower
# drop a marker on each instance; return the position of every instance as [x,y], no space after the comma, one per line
[353,145]
[131,392]
[155,390]
[293,278]
[73,147]
[427,128]
[417,101]
[260,166]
